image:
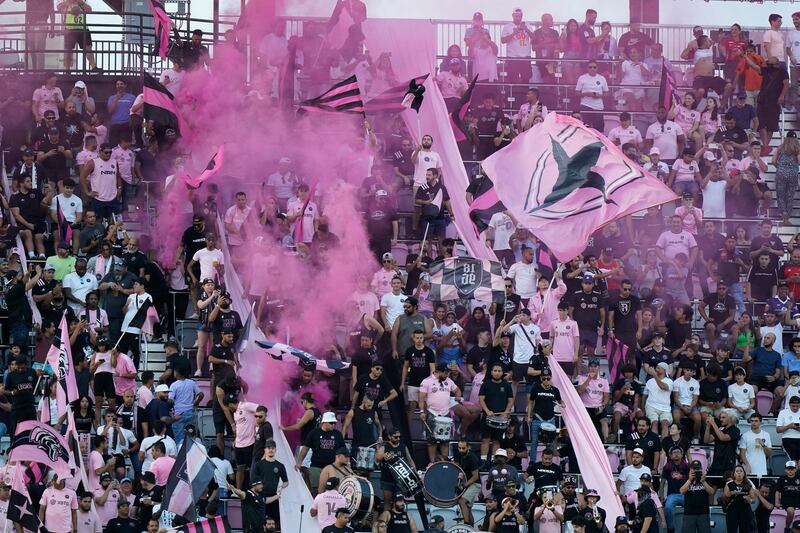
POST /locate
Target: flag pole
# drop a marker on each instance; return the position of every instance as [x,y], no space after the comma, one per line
[549,288]
[119,339]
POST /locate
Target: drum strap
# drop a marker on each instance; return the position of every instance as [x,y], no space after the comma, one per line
[343,473]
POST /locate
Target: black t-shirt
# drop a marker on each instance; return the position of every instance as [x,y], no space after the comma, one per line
[628,399]
[649,443]
[324,444]
[227,320]
[419,362]
[402,160]
[30,205]
[588,515]
[710,246]
[625,313]
[695,362]
[377,389]
[718,309]
[73,128]
[586,308]
[254,511]
[22,383]
[727,267]
[363,360]
[435,193]
[695,501]
[652,357]
[498,355]
[146,511]
[713,392]
[413,273]
[135,261]
[677,333]
[123,525]
[54,167]
[664,300]
[516,443]
[675,476]
[468,462]
[789,487]
[496,394]
[537,363]
[726,452]
[365,432]
[333,529]
[545,475]
[647,509]
[192,241]
[761,281]
[380,216]
[545,400]
[42,287]
[17,304]
[774,242]
[508,309]
[271,474]
[221,371]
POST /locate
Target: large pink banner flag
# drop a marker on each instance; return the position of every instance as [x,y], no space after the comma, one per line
[562,179]
[592,460]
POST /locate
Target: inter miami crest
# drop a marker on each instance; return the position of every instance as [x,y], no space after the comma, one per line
[467,277]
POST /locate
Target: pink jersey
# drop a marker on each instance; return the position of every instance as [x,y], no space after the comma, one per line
[686,118]
[593,397]
[549,522]
[563,334]
[161,468]
[108,510]
[144,397]
[326,505]
[437,394]
[475,391]
[89,522]
[124,366]
[60,504]
[95,461]
[382,282]
[245,420]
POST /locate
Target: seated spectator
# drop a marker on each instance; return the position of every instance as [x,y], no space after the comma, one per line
[28,207]
[710,118]
[626,132]
[744,113]
[687,117]
[685,175]
[665,135]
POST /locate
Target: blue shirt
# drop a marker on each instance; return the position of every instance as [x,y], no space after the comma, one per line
[122,112]
[765,362]
[744,115]
[791,362]
[183,393]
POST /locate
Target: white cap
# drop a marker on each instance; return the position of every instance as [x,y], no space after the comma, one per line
[501,452]
[655,150]
[790,464]
[329,417]
[639,451]
[162,388]
[709,156]
[663,365]
[80,84]
[388,256]
[285,160]
[381,192]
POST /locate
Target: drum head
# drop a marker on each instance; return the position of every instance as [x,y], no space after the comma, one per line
[358,493]
[460,528]
[442,483]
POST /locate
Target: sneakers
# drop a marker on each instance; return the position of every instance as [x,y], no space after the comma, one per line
[193,316]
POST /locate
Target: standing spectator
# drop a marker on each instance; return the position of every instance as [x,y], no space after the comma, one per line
[696,497]
[323,442]
[774,84]
[587,308]
[541,406]
[546,44]
[634,74]
[726,443]
[755,448]
[77,32]
[237,217]
[518,38]
[786,160]
[787,491]
[594,392]
[591,88]
[102,182]
[524,274]
[634,38]
[767,243]
[48,97]
[788,426]
[675,473]
[471,37]
[119,106]
[665,135]
[185,396]
[739,493]
[774,40]
[750,65]
[452,83]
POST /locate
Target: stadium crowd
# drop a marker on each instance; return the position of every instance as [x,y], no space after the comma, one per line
[700,298]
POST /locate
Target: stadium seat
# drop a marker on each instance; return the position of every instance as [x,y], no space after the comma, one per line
[235,513]
[777,462]
[400,252]
[778,520]
[764,400]
[698,454]
[718,520]
[677,517]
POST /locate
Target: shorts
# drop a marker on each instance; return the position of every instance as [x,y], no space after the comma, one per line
[768,116]
[38,228]
[681,187]
[104,385]
[588,336]
[622,409]
[729,69]
[82,38]
[695,409]
[388,486]
[715,83]
[412,394]
[658,415]
[762,383]
[519,371]
[313,477]
[243,456]
[471,493]
[221,424]
[195,271]
[711,412]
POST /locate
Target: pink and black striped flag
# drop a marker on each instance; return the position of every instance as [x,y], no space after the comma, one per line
[38,442]
[188,479]
[343,97]
[397,99]
[617,353]
[457,116]
[485,204]
[161,22]
[668,91]
[59,357]
[218,524]
[159,106]
[64,227]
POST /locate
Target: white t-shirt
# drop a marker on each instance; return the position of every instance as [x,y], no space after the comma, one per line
[685,171]
[793,42]
[714,199]
[686,390]
[755,455]
[223,470]
[171,79]
[622,135]
[791,390]
[741,395]
[777,44]
[662,170]
[665,138]
[676,243]
[520,45]
[123,440]
[597,84]
[631,478]
[125,160]
[633,74]
[657,398]
[135,302]
[147,448]
[206,258]
[425,160]
[524,276]
[523,349]
[503,228]
[80,287]
[394,306]
[785,417]
[69,206]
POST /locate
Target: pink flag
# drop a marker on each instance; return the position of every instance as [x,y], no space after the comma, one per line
[161,24]
[40,443]
[150,320]
[59,357]
[212,168]
[589,449]
[562,179]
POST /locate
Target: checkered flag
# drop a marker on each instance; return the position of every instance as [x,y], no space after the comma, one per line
[456,278]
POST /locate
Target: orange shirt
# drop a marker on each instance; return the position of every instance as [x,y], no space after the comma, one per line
[752,79]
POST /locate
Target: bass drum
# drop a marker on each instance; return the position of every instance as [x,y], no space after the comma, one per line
[460,528]
[443,484]
[407,480]
[360,497]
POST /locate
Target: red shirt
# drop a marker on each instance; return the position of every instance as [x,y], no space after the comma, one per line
[732,48]
[788,271]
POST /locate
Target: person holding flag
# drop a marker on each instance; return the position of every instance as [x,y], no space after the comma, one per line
[305,209]
[66,210]
[137,310]
[430,198]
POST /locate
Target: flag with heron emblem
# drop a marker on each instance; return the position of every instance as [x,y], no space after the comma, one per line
[456,278]
[563,181]
[38,442]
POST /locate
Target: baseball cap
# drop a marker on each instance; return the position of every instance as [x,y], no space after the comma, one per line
[49,266]
[80,84]
[270,444]
[162,387]
[64,245]
[381,193]
[149,477]
[708,156]
[53,129]
[329,418]
[591,493]
[696,464]
[639,451]
[794,399]
[646,477]
[741,94]
[125,480]
[501,452]
[437,518]
[256,481]
[332,482]
[399,496]
[477,15]
[123,503]
[587,278]
[198,218]
[663,365]
[655,151]
[594,362]
[506,334]
[547,372]
[790,464]
[621,521]
[387,256]
[105,475]
[285,160]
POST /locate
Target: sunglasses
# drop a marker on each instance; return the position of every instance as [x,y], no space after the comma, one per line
[509,286]
[592,66]
[378,369]
[106,152]
[546,379]
[387,260]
